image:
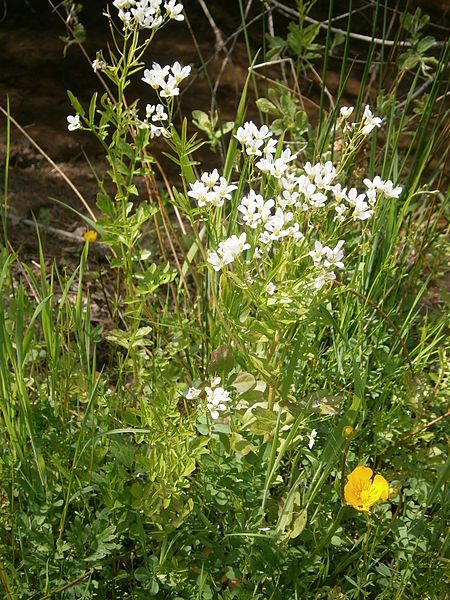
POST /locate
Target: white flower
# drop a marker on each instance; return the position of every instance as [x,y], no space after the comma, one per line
[323,278]
[174,10]
[158,131]
[155,77]
[270,147]
[201,192]
[180,72]
[371,197]
[288,198]
[275,224]
[312,439]
[216,399]
[318,253]
[252,138]
[361,210]
[391,191]
[227,251]
[370,121]
[210,179]
[264,237]
[223,190]
[73,122]
[334,256]
[98,65]
[353,197]
[374,184]
[295,233]
[346,111]
[236,245]
[156,112]
[341,209]
[193,393]
[169,88]
[339,192]
[270,289]
[217,262]
[254,209]
[321,174]
[123,4]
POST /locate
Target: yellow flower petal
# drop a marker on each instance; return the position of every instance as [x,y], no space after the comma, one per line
[383,486]
[90,236]
[361,477]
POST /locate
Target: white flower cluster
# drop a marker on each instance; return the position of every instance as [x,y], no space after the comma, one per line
[296,197]
[326,258]
[252,139]
[368,123]
[211,190]
[148,14]
[377,185]
[166,79]
[155,113]
[227,251]
[216,397]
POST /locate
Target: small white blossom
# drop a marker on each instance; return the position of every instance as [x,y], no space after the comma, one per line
[228,251]
[312,439]
[320,281]
[346,111]
[275,224]
[193,393]
[98,65]
[334,256]
[370,121]
[318,253]
[180,72]
[270,289]
[174,10]
[155,77]
[254,209]
[210,179]
[73,122]
[201,192]
[391,191]
[170,88]
[361,210]
[223,190]
[340,209]
[216,399]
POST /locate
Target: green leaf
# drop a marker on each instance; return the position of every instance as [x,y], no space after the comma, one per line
[425,44]
[266,106]
[75,103]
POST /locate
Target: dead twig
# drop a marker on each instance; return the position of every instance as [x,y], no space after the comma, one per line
[429,424]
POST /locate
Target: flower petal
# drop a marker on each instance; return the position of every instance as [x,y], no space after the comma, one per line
[361,477]
[382,485]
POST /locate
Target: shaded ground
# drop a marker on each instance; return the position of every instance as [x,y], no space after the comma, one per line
[36,76]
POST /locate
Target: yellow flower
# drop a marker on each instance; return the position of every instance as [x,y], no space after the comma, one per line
[90,236]
[363,489]
[348,432]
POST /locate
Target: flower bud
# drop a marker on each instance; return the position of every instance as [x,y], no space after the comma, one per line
[348,432]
